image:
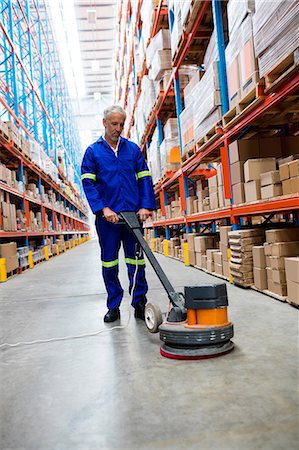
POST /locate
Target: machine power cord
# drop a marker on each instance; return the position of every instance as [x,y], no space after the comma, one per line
[80,336]
[66,338]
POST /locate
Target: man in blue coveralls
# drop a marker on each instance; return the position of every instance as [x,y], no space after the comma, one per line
[116,178]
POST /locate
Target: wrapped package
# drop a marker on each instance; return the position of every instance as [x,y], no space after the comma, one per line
[153,158]
[185,7]
[276,32]
[177,28]
[237,10]
[206,95]
[160,41]
[170,155]
[211,54]
[147,17]
[160,63]
[187,128]
[170,129]
[209,122]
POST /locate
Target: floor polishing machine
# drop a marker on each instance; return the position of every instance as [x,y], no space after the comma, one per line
[196,325]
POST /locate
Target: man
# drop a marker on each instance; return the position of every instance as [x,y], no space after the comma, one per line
[116,178]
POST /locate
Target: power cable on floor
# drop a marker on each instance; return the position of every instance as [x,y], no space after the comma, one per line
[66,338]
[80,336]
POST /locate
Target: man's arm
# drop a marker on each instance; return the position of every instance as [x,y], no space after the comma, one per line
[88,177]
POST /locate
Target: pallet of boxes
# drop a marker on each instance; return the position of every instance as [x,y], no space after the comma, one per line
[275,264]
[8,258]
[241,243]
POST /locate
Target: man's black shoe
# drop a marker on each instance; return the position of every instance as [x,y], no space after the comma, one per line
[139,311]
[112,315]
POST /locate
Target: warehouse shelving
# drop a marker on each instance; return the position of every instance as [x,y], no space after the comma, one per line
[262,102]
[34,100]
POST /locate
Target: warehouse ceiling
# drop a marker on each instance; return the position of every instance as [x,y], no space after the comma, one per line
[85,33]
[96,25]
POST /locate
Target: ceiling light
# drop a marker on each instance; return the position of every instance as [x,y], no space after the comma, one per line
[95,65]
[91,16]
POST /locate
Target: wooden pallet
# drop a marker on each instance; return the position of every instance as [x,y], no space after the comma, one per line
[209,137]
[247,103]
[195,6]
[188,153]
[284,70]
[4,136]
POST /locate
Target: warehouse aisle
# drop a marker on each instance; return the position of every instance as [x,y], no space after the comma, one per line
[115,391]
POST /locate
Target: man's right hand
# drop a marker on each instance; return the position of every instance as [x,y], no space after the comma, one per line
[110,215]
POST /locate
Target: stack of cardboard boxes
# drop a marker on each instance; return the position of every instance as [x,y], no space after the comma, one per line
[279,244]
[253,168]
[224,246]
[292,278]
[241,243]
[270,184]
[289,176]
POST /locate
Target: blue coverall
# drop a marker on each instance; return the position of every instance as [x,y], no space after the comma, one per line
[121,183]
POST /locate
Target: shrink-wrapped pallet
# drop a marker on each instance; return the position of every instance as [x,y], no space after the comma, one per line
[154,159]
[170,129]
[187,128]
[160,41]
[237,10]
[160,63]
[276,32]
[170,155]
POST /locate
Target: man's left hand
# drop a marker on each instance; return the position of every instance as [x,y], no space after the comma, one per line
[143,214]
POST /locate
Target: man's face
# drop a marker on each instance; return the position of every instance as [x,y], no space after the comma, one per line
[114,126]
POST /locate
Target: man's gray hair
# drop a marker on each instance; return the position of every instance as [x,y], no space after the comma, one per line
[114,109]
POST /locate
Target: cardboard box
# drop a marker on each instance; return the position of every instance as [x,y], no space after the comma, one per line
[243,149]
[284,171]
[218,258]
[237,172]
[282,235]
[202,194]
[223,249]
[238,193]
[189,204]
[190,240]
[7,250]
[214,203]
[294,168]
[210,266]
[277,288]
[293,292]
[276,262]
[294,185]
[259,259]
[192,257]
[254,167]
[292,269]
[12,263]
[204,262]
[285,249]
[219,175]
[213,184]
[210,254]
[201,243]
[220,197]
[224,234]
[270,191]
[268,260]
[225,268]
[279,276]
[198,259]
[195,206]
[252,191]
[270,178]
[286,187]
[218,269]
[260,278]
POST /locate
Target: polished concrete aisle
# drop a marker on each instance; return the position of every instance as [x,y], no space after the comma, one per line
[115,391]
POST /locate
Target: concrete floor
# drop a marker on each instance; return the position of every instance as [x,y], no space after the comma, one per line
[115,391]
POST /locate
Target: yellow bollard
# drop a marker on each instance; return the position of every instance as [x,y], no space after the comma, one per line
[64,247]
[230,278]
[30,259]
[153,244]
[3,273]
[166,247]
[70,244]
[186,254]
[57,250]
[46,251]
